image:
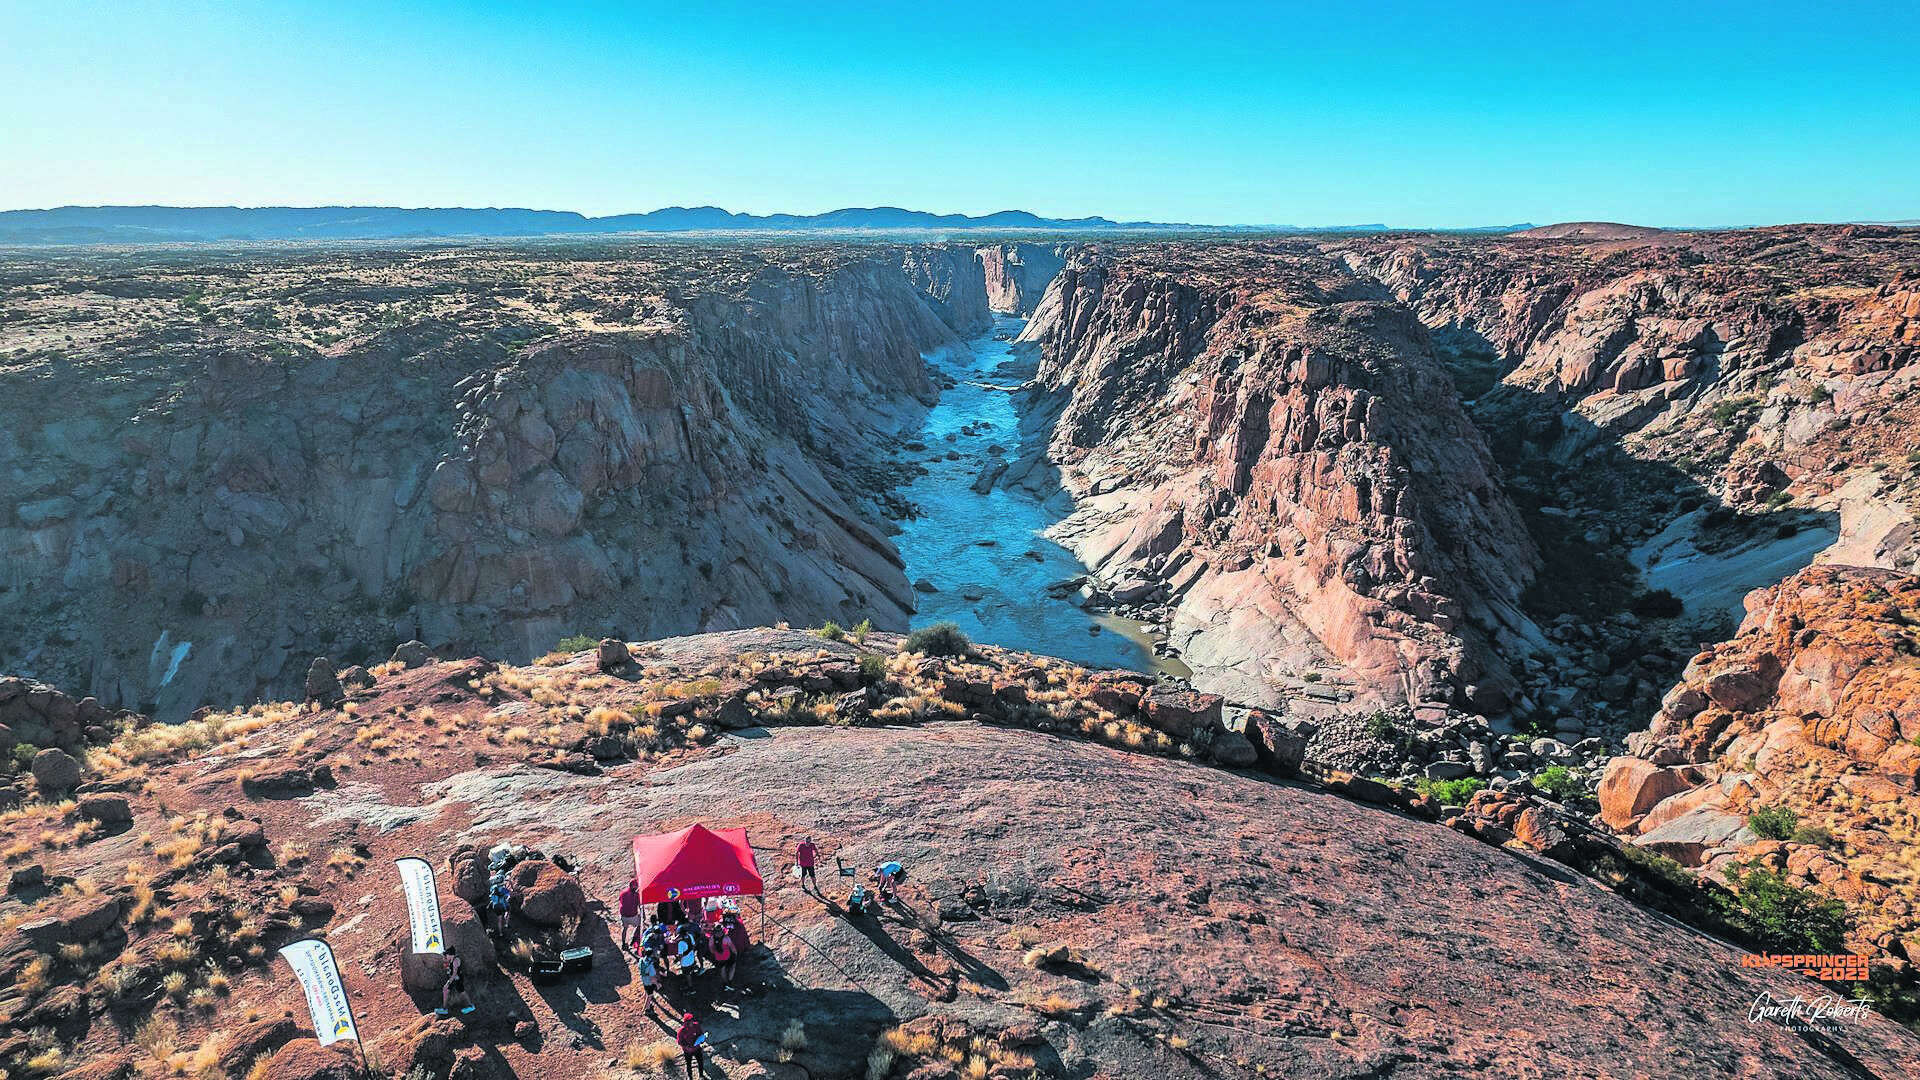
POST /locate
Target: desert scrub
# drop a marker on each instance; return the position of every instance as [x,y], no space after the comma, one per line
[1559,783]
[939,639]
[1782,916]
[831,631]
[1773,822]
[1450,792]
[574,643]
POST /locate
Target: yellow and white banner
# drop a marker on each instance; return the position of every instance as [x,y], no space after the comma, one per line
[423,905]
[312,963]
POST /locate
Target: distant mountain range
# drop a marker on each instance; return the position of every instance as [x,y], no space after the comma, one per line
[171,224]
[177,224]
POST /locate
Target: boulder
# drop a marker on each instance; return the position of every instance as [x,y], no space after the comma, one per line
[1182,711]
[289,782]
[249,1042]
[356,678]
[614,655]
[106,809]
[421,972]
[1230,748]
[1741,688]
[323,685]
[1367,790]
[412,654]
[546,894]
[469,868]
[1632,786]
[1119,692]
[1280,742]
[306,1059]
[106,1067]
[55,772]
[1689,838]
[81,922]
[1448,770]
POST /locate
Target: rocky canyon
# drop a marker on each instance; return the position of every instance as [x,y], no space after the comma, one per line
[1528,614]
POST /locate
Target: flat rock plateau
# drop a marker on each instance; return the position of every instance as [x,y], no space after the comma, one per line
[1549,602]
[1078,904]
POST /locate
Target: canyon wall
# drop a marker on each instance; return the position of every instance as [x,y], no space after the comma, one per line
[1761,367]
[1274,444]
[1017,274]
[249,465]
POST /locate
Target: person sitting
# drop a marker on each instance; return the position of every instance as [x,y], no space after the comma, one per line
[454,987]
[860,901]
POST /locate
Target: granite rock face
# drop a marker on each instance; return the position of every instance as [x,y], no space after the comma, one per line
[1256,429]
[1814,707]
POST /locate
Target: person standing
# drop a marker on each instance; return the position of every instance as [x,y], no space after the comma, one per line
[630,911]
[686,957]
[649,973]
[693,1046]
[806,855]
[454,987]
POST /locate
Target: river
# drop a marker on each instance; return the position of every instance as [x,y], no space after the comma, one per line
[985,554]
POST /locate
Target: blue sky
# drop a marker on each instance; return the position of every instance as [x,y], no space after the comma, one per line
[1332,112]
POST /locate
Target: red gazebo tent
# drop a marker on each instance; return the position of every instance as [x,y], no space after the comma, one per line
[693,863]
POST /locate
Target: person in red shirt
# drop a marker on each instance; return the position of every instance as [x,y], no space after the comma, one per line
[805,856]
[629,911]
[693,1044]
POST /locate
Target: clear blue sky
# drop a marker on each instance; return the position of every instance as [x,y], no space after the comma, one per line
[1668,113]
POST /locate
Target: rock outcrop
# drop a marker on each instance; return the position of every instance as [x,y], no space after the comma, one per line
[1032,928]
[1256,429]
[1814,708]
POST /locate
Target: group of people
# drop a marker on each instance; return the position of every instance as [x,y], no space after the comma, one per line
[887,879]
[676,941]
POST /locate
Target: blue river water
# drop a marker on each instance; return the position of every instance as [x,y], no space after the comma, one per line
[985,554]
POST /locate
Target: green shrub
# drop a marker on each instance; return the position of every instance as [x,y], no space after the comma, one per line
[831,631]
[1773,822]
[1559,783]
[1658,604]
[1813,834]
[1785,917]
[940,639]
[23,755]
[1451,792]
[873,670]
[575,643]
[861,629]
[1382,726]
